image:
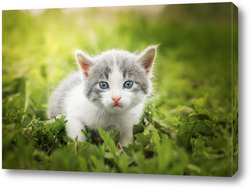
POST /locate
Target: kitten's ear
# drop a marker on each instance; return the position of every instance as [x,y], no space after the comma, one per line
[84,61]
[147,57]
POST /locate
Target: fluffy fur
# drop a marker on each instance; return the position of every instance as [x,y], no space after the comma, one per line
[86,104]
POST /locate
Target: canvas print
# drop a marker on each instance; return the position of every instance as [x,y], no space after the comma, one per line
[133,89]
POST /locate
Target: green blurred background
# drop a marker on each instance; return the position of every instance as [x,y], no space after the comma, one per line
[192,74]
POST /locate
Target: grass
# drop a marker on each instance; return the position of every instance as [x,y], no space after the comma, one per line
[190,125]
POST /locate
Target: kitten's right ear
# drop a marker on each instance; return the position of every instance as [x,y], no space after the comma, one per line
[84,61]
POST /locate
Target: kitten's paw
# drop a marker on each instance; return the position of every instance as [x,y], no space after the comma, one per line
[126,137]
[125,142]
[81,138]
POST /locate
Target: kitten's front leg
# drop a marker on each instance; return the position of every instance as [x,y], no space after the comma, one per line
[126,136]
[73,129]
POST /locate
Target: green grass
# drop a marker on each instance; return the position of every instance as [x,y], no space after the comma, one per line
[188,125]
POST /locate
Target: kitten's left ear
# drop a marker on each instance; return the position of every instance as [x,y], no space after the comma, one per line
[84,61]
[147,57]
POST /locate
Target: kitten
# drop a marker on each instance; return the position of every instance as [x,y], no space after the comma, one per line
[109,92]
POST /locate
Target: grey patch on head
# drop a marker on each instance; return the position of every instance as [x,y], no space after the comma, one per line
[130,69]
[123,69]
[56,102]
[106,72]
[99,72]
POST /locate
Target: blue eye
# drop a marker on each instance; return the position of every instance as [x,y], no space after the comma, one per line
[103,85]
[128,84]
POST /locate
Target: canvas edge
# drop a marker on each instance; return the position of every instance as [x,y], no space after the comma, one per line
[234,89]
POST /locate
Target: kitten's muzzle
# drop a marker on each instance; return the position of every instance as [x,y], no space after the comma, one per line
[116,100]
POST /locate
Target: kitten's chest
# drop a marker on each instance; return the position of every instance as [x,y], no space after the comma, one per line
[108,122]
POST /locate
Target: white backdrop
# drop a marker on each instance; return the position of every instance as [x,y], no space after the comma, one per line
[44,179]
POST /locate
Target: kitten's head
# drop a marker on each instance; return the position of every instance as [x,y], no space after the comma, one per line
[117,80]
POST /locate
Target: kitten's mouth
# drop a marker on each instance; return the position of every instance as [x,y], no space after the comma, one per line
[116,106]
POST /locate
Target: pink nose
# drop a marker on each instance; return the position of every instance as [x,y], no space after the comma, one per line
[116,99]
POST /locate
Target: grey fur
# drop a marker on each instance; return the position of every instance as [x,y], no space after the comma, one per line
[132,70]
[102,66]
[56,102]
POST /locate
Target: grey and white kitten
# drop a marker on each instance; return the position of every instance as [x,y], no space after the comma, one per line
[109,92]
